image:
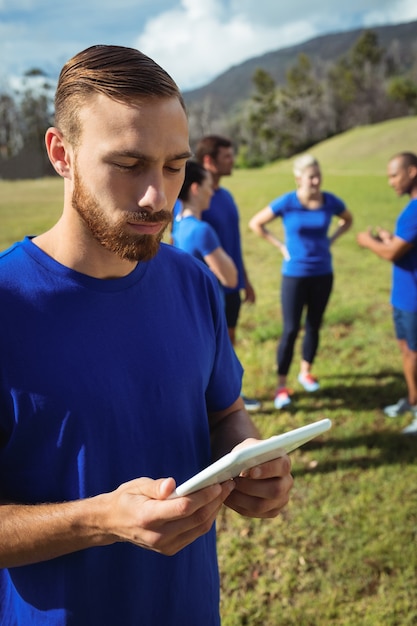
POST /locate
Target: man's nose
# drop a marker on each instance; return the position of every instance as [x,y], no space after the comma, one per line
[152,193]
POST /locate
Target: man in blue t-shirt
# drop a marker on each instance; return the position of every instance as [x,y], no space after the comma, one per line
[401,249]
[216,154]
[118,379]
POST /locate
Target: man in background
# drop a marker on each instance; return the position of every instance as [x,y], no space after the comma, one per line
[216,154]
[400,249]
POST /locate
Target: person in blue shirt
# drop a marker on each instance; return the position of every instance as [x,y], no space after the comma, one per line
[400,248]
[195,236]
[307,272]
[176,216]
[118,380]
[216,154]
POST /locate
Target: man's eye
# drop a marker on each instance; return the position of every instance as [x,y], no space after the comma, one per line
[125,166]
[175,169]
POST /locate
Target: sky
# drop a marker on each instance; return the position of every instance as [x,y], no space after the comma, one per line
[194,40]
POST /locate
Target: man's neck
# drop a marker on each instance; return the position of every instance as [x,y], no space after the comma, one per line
[216,181]
[88,258]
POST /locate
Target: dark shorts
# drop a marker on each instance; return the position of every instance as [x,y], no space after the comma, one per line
[405,324]
[233,302]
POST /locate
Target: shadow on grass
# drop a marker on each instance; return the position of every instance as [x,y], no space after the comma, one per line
[385,448]
[358,441]
[354,392]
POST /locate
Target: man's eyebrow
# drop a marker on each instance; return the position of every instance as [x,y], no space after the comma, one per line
[183,155]
[139,156]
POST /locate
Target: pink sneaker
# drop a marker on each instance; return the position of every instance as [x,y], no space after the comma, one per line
[282,398]
[308,382]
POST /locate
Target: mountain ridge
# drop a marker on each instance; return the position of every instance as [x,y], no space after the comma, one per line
[235,84]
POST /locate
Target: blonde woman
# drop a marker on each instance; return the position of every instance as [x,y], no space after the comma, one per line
[307,270]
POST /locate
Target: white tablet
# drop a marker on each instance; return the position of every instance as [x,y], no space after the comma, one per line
[233,463]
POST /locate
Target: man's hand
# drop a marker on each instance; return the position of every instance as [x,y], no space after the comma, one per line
[139,512]
[263,490]
[365,238]
[250,296]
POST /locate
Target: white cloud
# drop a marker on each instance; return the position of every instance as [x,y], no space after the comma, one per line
[198,40]
[195,40]
[397,12]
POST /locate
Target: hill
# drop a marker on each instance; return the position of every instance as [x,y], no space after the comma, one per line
[362,150]
[235,84]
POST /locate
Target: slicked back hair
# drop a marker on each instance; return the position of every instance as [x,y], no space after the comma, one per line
[120,73]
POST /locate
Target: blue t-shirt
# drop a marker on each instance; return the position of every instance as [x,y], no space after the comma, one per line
[223,216]
[101,382]
[404,277]
[176,217]
[195,237]
[306,233]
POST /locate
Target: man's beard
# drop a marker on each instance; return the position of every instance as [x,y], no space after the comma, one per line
[113,237]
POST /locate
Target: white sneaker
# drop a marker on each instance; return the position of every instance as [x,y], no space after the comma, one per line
[251,404]
[411,429]
[397,409]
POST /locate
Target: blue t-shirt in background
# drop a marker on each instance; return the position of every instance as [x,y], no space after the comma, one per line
[195,237]
[223,216]
[404,271]
[102,382]
[306,233]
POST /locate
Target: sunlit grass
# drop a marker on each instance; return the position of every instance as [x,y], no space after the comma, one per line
[344,551]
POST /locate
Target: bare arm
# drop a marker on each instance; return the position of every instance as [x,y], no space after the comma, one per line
[222,266]
[344,223]
[258,225]
[250,295]
[265,490]
[384,245]
[137,512]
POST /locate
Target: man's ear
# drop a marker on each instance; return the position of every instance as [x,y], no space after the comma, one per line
[207,162]
[412,172]
[58,152]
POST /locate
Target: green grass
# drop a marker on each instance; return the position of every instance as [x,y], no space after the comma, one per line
[344,551]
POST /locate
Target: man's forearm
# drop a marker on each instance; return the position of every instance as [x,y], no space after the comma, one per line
[231,430]
[33,533]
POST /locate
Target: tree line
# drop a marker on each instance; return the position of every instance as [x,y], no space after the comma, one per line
[368,84]
[25,114]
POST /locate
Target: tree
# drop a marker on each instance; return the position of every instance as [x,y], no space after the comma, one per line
[36,109]
[10,137]
[301,100]
[24,120]
[404,90]
[262,136]
[356,84]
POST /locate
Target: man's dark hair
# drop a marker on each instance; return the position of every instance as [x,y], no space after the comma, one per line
[210,145]
[407,158]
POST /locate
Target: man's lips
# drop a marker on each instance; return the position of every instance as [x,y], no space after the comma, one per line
[147,228]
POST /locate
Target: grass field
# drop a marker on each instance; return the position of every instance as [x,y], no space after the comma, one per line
[344,552]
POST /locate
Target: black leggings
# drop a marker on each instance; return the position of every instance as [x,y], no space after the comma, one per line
[312,292]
